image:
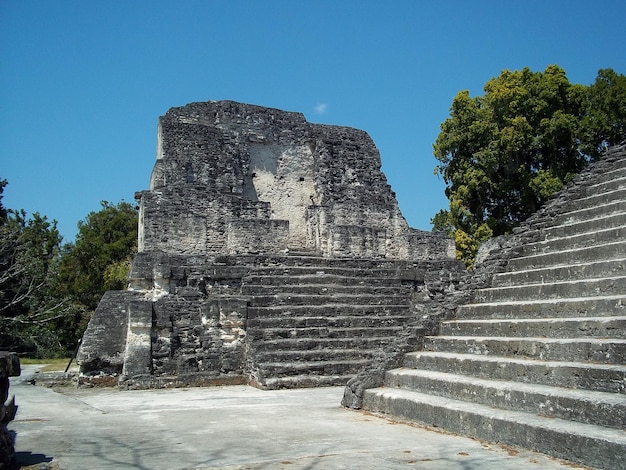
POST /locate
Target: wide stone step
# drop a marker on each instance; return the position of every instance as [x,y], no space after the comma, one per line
[286,369]
[555,290]
[349,321]
[596,269]
[585,406]
[609,181]
[306,299]
[315,355]
[273,261]
[304,381]
[584,226]
[270,333]
[585,327]
[590,254]
[614,168]
[600,195]
[393,270]
[601,351]
[579,240]
[315,270]
[611,306]
[320,278]
[587,213]
[323,289]
[588,444]
[305,344]
[580,375]
[328,309]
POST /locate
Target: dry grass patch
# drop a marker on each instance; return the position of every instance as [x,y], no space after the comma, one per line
[50,365]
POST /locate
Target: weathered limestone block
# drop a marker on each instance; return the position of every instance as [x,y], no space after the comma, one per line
[238,190]
[256,235]
[138,353]
[198,336]
[224,170]
[104,341]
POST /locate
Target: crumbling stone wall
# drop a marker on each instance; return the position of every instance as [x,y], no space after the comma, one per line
[236,178]
[235,187]
[9,367]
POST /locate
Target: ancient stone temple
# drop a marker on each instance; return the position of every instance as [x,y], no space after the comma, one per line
[271,251]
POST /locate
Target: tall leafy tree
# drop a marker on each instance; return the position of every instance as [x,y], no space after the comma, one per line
[503,154]
[48,290]
[29,304]
[603,112]
[100,258]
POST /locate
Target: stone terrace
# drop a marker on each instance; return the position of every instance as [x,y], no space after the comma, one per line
[271,251]
[536,355]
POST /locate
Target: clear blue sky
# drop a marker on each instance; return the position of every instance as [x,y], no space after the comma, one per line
[82,83]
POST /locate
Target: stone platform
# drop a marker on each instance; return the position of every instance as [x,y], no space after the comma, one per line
[536,355]
[233,427]
[272,252]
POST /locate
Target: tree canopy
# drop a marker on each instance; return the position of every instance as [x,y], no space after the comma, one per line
[504,154]
[48,290]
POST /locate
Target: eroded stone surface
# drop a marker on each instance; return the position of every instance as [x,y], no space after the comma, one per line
[236,178]
[9,367]
[242,194]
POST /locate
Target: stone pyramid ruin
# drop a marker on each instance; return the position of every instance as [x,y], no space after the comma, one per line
[272,252]
[536,353]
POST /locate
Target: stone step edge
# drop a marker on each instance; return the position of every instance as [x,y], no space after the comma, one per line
[604,192]
[277,342]
[550,286]
[612,220]
[321,351]
[347,271]
[486,321]
[322,277]
[271,329]
[546,269]
[602,408]
[498,386]
[546,226]
[457,412]
[574,281]
[518,360]
[329,305]
[277,260]
[303,380]
[555,301]
[305,365]
[289,294]
[606,177]
[557,259]
[590,209]
[535,339]
[570,253]
[392,289]
[326,317]
[580,235]
[583,209]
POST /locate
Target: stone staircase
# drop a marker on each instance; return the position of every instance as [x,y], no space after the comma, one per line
[538,358]
[316,321]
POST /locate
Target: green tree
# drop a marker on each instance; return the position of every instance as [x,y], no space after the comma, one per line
[29,305]
[48,290]
[503,154]
[100,258]
[603,120]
